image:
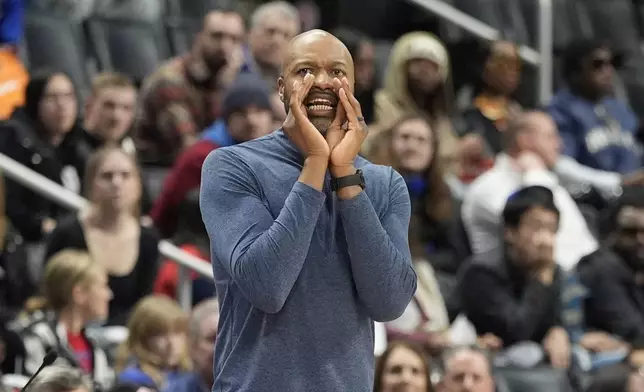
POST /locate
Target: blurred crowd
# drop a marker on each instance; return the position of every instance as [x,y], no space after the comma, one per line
[527,228]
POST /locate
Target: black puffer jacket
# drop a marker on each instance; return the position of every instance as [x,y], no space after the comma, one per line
[62,164]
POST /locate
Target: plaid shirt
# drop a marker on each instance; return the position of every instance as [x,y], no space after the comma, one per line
[179,99]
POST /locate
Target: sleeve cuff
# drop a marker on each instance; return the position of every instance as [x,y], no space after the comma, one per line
[309,192]
[354,202]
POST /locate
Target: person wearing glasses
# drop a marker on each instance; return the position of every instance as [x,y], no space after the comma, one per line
[598,130]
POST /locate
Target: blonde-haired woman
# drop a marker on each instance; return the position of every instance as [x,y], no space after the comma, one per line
[417,81]
[75,295]
[156,349]
[110,230]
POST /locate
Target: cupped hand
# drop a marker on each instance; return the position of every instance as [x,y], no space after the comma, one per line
[346,143]
[297,125]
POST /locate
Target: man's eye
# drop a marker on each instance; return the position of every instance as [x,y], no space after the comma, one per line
[338,72]
[304,71]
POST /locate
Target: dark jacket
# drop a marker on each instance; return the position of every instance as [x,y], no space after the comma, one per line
[62,164]
[499,299]
[616,302]
[446,245]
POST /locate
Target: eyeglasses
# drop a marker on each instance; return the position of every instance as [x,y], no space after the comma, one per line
[600,63]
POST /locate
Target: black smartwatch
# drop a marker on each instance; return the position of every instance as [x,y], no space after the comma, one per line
[356,179]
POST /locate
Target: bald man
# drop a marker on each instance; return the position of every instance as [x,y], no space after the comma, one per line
[308,240]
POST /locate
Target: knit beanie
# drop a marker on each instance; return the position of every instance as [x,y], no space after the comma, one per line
[247,90]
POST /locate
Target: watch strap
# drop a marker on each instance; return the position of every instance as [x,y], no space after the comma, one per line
[356,179]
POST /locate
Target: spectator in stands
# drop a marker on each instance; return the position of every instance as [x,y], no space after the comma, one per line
[203,333]
[597,130]
[363,52]
[183,97]
[513,291]
[492,106]
[437,244]
[43,136]
[109,113]
[403,367]
[110,230]
[466,370]
[246,115]
[410,146]
[75,295]
[59,378]
[531,148]
[155,351]
[418,80]
[272,26]
[613,275]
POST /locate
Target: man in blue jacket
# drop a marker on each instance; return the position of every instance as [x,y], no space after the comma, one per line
[597,129]
[308,240]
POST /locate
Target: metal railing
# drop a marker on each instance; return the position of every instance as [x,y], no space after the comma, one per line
[66,198]
[541,58]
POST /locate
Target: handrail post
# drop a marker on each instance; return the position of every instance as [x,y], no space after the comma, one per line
[184,288]
[545,23]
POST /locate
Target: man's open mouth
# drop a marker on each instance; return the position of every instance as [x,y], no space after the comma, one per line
[321,105]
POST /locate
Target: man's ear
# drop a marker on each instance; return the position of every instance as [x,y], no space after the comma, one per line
[280,88]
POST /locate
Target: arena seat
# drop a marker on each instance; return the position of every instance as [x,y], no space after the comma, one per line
[539,379]
[194,9]
[56,42]
[614,21]
[134,48]
[181,33]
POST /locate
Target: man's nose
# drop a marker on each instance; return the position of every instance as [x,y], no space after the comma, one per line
[323,80]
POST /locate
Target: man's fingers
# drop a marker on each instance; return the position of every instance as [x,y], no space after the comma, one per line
[307,83]
[350,113]
[340,116]
[352,99]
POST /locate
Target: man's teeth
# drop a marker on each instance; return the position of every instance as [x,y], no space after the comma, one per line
[319,108]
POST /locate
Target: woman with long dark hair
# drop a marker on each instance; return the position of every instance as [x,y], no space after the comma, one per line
[42,135]
[437,244]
